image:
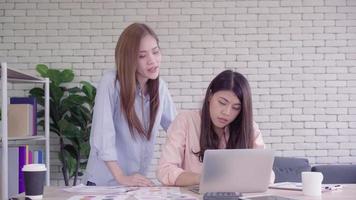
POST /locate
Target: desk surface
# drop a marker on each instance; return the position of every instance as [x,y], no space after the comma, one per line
[348,192]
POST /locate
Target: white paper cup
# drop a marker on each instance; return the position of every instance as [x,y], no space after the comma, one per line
[312,183]
[35,175]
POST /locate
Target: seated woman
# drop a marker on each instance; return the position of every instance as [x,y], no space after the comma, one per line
[225,122]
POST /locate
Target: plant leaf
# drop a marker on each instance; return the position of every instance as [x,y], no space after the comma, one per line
[84,150]
[42,69]
[73,100]
[88,89]
[74,90]
[38,93]
[67,75]
[56,93]
[55,76]
[71,150]
[71,164]
[70,131]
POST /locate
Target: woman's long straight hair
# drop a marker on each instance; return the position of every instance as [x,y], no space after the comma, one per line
[126,58]
[241,128]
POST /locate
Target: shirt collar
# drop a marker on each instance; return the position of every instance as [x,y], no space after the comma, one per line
[139,92]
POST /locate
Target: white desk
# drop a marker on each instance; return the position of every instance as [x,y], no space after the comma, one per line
[348,192]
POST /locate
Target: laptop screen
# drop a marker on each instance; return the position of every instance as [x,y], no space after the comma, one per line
[236,170]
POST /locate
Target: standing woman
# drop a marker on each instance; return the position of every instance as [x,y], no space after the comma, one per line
[224,122]
[131,102]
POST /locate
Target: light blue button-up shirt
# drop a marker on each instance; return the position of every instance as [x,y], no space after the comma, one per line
[110,137]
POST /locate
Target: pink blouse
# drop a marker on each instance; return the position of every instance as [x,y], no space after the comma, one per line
[183,139]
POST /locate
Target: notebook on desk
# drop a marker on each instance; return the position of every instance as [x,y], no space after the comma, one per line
[236,170]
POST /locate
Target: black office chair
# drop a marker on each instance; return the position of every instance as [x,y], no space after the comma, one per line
[334,174]
[289,169]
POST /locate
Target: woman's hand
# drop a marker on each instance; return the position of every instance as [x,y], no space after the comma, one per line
[187,179]
[135,180]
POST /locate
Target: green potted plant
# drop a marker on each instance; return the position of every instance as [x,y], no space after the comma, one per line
[71,112]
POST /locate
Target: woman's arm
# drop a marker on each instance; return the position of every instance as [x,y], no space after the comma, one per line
[170,165]
[169,110]
[120,177]
[259,143]
[188,178]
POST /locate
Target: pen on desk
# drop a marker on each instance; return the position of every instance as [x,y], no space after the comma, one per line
[337,186]
[333,187]
[131,189]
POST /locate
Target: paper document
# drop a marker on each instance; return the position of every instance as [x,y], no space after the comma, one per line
[121,192]
[287,186]
[160,193]
[265,197]
[97,190]
[299,186]
[98,197]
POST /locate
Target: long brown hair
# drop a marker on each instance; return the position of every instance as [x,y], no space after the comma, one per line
[241,129]
[126,56]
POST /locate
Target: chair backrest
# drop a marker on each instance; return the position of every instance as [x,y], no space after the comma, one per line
[337,173]
[288,169]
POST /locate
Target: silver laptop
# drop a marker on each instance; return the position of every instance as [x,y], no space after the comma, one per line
[236,170]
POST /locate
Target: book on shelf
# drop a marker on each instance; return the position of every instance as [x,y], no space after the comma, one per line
[20,120]
[25,157]
[13,175]
[23,150]
[17,158]
[38,157]
[28,100]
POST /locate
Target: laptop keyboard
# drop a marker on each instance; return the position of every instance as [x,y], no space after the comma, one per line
[273,197]
[221,196]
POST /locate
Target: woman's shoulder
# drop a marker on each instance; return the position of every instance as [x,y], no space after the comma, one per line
[255,126]
[109,74]
[108,79]
[189,115]
[256,129]
[162,84]
[163,88]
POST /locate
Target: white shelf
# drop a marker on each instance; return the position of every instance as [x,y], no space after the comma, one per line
[25,139]
[15,76]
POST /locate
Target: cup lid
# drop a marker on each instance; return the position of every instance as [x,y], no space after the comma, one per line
[34,167]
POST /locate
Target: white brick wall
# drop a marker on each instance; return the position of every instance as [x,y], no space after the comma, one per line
[300,58]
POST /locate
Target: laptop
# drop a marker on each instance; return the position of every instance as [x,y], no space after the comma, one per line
[236,170]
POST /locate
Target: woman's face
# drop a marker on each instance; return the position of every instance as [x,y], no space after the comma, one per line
[224,107]
[149,59]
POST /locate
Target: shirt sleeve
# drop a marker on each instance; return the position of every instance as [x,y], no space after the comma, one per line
[172,156]
[169,110]
[102,137]
[258,142]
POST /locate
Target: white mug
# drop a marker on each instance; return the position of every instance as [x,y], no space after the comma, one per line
[312,183]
